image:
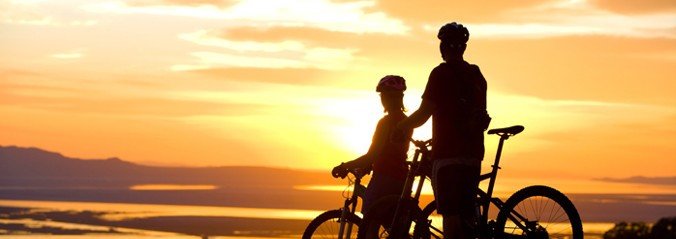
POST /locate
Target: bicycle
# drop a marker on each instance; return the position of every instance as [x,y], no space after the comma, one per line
[340,223]
[532,212]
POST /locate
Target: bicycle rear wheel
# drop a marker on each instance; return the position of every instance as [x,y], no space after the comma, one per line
[538,212]
[377,223]
[327,225]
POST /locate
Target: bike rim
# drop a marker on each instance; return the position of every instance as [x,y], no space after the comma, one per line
[545,217]
[330,229]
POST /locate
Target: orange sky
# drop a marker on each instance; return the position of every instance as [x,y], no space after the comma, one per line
[291,83]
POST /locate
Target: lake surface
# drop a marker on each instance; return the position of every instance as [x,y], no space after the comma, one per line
[126,211]
[188,211]
[130,210]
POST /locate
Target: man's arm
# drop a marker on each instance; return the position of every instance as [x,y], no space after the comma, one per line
[420,116]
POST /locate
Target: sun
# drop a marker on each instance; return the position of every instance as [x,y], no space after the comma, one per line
[355,120]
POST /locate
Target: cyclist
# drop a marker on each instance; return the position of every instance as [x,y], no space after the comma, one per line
[455,97]
[387,157]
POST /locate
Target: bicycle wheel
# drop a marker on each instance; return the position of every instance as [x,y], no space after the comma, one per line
[381,216]
[327,225]
[538,212]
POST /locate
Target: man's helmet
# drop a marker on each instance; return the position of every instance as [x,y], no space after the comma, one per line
[453,33]
[391,83]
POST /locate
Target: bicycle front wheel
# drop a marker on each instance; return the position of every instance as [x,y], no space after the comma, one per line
[327,225]
[538,212]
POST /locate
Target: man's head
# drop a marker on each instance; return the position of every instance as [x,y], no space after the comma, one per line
[454,37]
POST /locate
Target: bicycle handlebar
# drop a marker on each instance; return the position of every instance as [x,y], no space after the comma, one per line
[421,143]
[359,172]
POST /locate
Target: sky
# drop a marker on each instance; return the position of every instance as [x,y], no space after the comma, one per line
[291,83]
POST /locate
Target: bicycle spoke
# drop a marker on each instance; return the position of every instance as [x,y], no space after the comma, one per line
[541,215]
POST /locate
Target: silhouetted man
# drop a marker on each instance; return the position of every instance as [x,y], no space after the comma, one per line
[455,97]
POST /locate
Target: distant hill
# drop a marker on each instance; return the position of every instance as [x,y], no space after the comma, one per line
[33,167]
[669,181]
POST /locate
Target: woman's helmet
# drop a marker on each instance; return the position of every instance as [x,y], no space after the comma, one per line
[391,83]
[453,33]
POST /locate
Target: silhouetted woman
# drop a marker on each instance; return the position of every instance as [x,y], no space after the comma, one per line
[386,157]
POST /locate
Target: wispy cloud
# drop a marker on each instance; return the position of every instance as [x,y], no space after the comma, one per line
[574,17]
[72,54]
[284,54]
[39,13]
[352,16]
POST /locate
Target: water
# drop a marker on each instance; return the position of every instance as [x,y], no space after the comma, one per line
[130,210]
[190,216]
[125,211]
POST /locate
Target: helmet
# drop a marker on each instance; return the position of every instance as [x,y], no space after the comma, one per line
[453,33]
[391,83]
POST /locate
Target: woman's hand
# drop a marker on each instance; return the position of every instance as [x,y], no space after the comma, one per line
[339,171]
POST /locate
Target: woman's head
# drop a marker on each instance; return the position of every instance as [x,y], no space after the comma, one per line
[391,88]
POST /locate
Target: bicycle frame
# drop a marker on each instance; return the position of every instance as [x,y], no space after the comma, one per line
[420,158]
[484,199]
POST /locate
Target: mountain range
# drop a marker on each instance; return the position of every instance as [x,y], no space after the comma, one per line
[33,167]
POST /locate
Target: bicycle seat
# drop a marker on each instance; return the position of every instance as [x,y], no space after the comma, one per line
[513,130]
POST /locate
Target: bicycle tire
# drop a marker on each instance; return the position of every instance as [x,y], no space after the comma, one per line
[327,224]
[423,231]
[551,213]
[382,213]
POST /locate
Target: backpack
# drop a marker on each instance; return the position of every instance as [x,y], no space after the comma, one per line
[473,102]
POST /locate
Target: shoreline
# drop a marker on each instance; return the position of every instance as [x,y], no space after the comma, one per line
[131,223]
[20,221]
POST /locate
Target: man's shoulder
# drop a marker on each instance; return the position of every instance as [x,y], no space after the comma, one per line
[455,65]
[473,66]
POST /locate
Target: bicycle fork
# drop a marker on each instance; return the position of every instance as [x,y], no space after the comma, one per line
[345,229]
[350,206]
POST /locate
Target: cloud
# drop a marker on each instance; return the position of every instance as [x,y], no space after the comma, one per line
[635,7]
[219,3]
[572,17]
[350,17]
[293,76]
[284,54]
[607,138]
[415,12]
[80,101]
[73,54]
[41,13]
[601,68]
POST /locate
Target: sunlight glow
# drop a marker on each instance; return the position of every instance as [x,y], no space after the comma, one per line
[356,120]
